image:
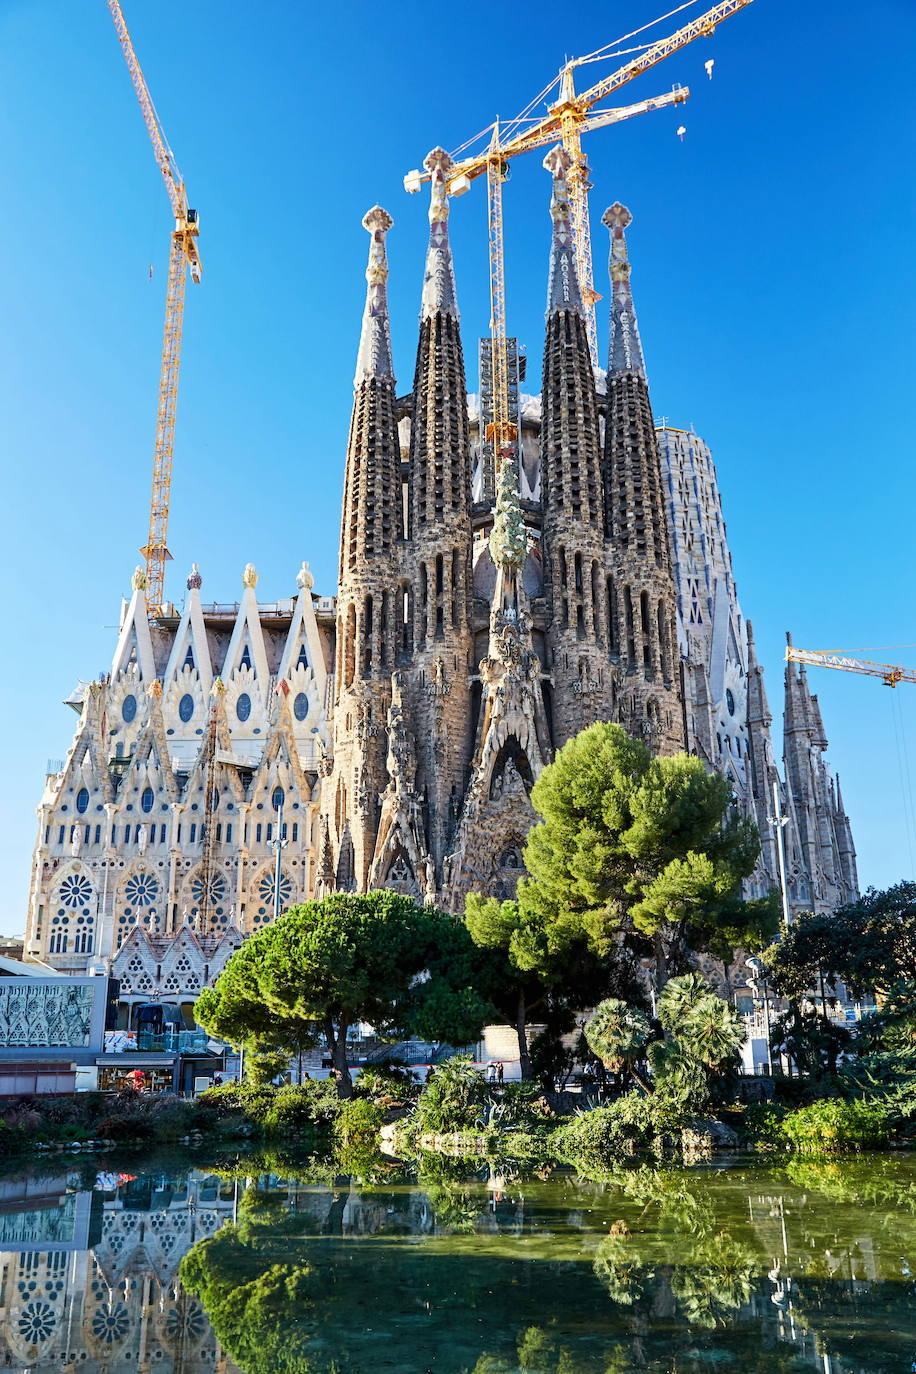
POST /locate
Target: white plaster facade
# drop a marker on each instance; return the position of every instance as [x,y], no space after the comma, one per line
[201,718]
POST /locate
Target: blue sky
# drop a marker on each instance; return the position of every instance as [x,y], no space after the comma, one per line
[773,273]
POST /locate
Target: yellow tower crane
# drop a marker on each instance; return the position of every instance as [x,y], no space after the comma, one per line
[889,673]
[183,257]
[567,119]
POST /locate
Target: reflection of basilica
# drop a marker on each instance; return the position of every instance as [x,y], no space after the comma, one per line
[88,1279]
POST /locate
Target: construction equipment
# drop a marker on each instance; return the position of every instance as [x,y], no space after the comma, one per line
[890,673]
[183,257]
[568,119]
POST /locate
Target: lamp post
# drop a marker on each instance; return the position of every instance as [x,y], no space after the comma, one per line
[279,845]
[779,822]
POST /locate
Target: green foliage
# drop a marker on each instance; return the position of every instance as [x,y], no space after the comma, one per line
[389,1084]
[706,1026]
[642,846]
[323,966]
[292,1111]
[813,1041]
[521,1107]
[625,1126]
[454,1099]
[870,945]
[617,1034]
[832,1126]
[357,1124]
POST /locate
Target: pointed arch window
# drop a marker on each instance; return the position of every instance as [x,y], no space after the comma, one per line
[189,658]
[303,660]
[245,660]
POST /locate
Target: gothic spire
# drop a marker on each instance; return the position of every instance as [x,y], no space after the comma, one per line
[374,357]
[563,291]
[625,354]
[439,293]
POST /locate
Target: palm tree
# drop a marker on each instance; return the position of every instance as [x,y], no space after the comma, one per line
[618,1035]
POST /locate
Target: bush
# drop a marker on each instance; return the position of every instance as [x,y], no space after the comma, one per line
[632,1123]
[833,1126]
[357,1124]
[522,1106]
[454,1099]
[252,1100]
[390,1084]
[301,1107]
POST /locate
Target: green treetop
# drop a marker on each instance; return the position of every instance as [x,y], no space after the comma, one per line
[326,965]
[647,848]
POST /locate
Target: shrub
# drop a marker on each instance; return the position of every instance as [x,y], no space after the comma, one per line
[454,1099]
[388,1083]
[522,1106]
[633,1122]
[357,1124]
[251,1100]
[833,1126]
[301,1107]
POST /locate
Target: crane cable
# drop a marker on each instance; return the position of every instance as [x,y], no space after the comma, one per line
[903,765]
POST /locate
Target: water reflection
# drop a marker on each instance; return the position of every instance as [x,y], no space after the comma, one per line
[464,1269]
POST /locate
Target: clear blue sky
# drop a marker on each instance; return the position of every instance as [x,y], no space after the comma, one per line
[773,257]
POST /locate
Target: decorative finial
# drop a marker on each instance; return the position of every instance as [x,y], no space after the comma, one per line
[195,581]
[154,690]
[219,688]
[374,357]
[250,576]
[625,353]
[439,292]
[138,581]
[304,579]
[437,163]
[563,291]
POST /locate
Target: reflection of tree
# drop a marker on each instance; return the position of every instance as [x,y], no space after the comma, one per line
[318,1280]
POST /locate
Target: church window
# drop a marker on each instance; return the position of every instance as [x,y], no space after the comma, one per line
[60,835]
[193,833]
[278,797]
[146,800]
[186,707]
[75,890]
[303,660]
[663,642]
[245,660]
[98,834]
[129,709]
[562,557]
[300,706]
[348,648]
[580,622]
[440,629]
[367,634]
[82,800]
[577,572]
[270,831]
[189,659]
[229,833]
[87,834]
[730,701]
[243,707]
[295,831]
[258,832]
[219,831]
[440,574]
[47,834]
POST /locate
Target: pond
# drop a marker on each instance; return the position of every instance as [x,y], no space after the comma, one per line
[265,1266]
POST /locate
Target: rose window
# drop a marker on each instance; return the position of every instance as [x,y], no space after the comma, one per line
[75,890]
[191,1323]
[141,889]
[111,1324]
[267,891]
[215,891]
[36,1322]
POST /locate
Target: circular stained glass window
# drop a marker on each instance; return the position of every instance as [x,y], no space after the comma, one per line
[300,706]
[75,890]
[129,708]
[266,890]
[111,1324]
[243,706]
[141,889]
[36,1322]
[146,800]
[216,890]
[730,701]
[186,707]
[82,800]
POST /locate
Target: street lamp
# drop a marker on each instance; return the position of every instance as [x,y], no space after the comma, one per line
[279,844]
[779,822]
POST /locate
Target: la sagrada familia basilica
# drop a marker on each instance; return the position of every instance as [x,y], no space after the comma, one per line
[486,611]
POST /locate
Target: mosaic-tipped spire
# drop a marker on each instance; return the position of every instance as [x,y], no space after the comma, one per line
[563,291]
[625,354]
[374,357]
[439,292]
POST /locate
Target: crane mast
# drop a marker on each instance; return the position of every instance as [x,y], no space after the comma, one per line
[183,257]
[567,119]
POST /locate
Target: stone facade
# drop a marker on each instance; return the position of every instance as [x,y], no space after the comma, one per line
[156,844]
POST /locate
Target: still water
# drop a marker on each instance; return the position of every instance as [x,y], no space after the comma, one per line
[124,1264]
